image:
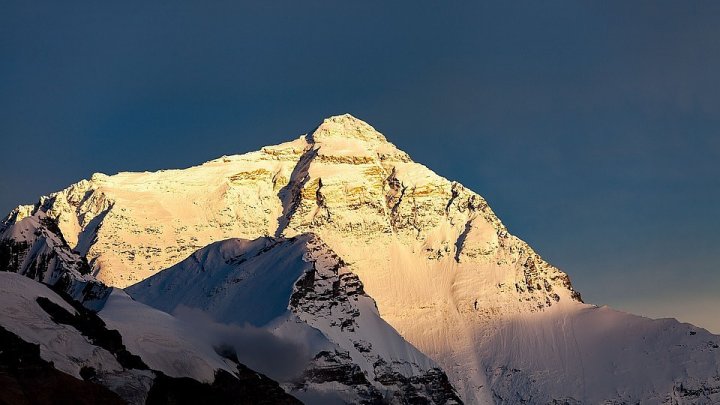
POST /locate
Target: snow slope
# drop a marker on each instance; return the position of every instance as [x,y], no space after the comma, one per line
[442,268]
[592,351]
[65,346]
[164,342]
[81,353]
[61,344]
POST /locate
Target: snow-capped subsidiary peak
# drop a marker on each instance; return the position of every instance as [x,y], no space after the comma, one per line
[297,285]
[443,269]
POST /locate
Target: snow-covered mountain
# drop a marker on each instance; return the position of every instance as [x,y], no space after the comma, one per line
[506,326]
[298,286]
[54,351]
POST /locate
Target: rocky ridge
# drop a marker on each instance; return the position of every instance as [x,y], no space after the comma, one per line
[31,244]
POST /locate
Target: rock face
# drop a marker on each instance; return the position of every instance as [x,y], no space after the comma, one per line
[442,268]
[31,244]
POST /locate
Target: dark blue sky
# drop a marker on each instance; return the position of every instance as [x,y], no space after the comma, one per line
[592,128]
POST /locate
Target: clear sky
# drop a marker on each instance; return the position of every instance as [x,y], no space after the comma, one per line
[592,128]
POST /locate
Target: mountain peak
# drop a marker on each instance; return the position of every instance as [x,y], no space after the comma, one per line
[346,126]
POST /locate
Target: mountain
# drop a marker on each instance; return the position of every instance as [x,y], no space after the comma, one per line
[445,273]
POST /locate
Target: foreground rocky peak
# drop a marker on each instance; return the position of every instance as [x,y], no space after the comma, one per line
[295,287]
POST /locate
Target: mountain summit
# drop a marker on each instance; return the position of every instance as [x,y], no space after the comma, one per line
[346,126]
[444,271]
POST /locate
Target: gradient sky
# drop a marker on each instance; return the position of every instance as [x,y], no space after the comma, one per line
[592,128]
